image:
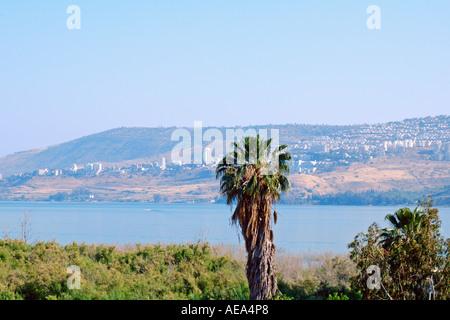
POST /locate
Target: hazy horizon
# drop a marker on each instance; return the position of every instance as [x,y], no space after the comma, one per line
[225,63]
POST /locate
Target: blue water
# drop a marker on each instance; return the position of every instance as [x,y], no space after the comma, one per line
[299,228]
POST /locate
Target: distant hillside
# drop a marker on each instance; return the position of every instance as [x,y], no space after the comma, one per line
[109,146]
[351,171]
[402,179]
[124,144]
[127,144]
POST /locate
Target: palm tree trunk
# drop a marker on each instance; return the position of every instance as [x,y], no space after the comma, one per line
[261,275]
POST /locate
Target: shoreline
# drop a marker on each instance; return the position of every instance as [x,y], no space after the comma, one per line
[210,203]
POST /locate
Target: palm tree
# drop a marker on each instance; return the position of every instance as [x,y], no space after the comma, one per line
[247,182]
[403,223]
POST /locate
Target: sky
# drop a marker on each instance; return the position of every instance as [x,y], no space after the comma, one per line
[222,62]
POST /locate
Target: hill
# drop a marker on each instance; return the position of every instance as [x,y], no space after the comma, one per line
[365,164]
[110,146]
[128,144]
[395,180]
[121,145]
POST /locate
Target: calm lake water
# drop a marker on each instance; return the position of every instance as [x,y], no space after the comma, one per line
[299,228]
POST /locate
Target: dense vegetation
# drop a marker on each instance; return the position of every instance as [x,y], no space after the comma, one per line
[39,271]
[411,256]
[441,197]
[189,271]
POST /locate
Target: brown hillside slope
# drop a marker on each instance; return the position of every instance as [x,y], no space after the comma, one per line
[404,172]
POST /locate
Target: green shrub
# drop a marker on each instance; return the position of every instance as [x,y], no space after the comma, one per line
[191,271]
[337,296]
[174,271]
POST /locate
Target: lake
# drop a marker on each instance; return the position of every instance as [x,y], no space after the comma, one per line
[299,228]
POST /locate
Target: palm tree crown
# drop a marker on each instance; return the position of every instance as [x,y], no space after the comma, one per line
[403,223]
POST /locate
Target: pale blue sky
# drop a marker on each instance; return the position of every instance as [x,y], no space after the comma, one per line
[224,62]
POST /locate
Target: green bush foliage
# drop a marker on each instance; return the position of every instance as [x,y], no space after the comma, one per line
[412,256]
[190,271]
[177,271]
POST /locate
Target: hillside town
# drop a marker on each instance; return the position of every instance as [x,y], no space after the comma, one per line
[319,153]
[362,143]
